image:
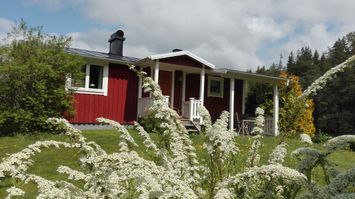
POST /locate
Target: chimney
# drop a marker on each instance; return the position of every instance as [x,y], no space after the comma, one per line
[176,50]
[116,43]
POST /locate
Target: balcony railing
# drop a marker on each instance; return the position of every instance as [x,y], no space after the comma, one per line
[248,125]
[145,102]
[189,109]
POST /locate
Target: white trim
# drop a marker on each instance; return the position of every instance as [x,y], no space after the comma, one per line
[172,89]
[276,110]
[180,53]
[156,71]
[91,91]
[221,94]
[105,79]
[87,76]
[140,84]
[202,85]
[231,103]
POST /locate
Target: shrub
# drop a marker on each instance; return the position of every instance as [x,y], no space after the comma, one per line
[33,68]
[295,113]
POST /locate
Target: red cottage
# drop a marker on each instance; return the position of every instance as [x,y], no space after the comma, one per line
[111,90]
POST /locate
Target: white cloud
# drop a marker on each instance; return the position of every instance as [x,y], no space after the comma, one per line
[5,24]
[94,39]
[227,33]
[5,27]
[53,5]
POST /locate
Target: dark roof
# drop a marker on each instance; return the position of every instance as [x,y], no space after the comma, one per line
[250,75]
[101,55]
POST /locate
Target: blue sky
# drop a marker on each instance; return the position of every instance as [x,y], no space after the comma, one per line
[237,34]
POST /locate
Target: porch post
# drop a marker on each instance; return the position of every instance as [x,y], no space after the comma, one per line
[140,85]
[276,111]
[172,90]
[202,84]
[156,71]
[231,103]
[245,95]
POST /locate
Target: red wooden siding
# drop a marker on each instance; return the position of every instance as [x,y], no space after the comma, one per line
[165,82]
[215,105]
[192,86]
[183,60]
[177,91]
[120,104]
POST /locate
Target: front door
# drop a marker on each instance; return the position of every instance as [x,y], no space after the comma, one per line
[165,82]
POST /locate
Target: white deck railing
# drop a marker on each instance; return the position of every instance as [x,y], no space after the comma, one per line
[189,109]
[248,125]
[145,102]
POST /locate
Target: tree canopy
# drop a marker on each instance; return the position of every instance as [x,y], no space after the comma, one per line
[33,71]
[334,112]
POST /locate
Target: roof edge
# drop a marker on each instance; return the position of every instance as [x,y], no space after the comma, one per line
[180,53]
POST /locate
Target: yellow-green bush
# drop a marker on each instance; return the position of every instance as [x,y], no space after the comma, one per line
[296,115]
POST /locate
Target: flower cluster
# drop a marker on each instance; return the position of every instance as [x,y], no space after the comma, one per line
[278,154]
[259,122]
[220,141]
[305,138]
[14,191]
[340,142]
[338,182]
[258,130]
[262,182]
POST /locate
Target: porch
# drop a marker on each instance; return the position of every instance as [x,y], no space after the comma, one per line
[182,78]
[189,112]
[189,108]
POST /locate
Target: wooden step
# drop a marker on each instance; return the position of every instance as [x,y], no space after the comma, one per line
[191,127]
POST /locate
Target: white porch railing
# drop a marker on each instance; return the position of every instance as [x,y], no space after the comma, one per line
[189,109]
[248,125]
[145,102]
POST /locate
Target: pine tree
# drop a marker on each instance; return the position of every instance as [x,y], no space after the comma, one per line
[291,63]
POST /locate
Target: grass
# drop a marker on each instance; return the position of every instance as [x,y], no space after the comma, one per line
[48,161]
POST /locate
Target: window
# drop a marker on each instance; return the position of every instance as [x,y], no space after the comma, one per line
[95,77]
[94,81]
[215,86]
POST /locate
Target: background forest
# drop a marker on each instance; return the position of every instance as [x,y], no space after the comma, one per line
[334,110]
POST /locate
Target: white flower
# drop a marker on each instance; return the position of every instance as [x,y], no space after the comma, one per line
[305,138]
[339,142]
[223,194]
[14,191]
[259,122]
[278,154]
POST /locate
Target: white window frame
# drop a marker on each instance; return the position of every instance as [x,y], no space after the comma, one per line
[214,94]
[86,89]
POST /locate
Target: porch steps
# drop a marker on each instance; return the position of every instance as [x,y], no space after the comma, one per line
[191,126]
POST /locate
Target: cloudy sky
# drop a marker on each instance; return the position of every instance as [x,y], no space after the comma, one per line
[239,34]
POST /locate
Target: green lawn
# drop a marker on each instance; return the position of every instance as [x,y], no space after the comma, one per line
[47,162]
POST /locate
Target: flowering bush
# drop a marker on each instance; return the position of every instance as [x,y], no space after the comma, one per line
[176,172]
[338,183]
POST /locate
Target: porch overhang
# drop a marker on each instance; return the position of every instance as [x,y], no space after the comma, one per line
[249,76]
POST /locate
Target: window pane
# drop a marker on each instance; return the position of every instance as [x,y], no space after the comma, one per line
[80,82]
[215,86]
[96,74]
